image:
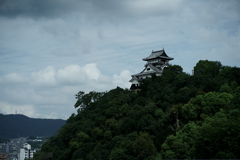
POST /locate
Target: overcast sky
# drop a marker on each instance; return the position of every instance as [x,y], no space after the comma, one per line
[50,50]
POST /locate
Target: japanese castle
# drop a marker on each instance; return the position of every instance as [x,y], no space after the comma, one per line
[156,62]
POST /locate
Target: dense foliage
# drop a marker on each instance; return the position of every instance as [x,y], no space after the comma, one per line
[174,116]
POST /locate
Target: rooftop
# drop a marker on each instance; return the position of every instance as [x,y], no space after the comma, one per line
[155,70]
[158,54]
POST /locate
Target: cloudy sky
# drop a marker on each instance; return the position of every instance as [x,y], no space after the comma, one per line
[50,50]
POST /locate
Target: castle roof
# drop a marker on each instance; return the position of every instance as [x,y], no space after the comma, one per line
[154,70]
[158,54]
[133,78]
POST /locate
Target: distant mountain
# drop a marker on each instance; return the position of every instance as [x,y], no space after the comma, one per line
[12,126]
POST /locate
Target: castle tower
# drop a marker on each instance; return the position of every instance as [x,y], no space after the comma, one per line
[156,62]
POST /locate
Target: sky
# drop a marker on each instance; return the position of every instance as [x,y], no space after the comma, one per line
[51,50]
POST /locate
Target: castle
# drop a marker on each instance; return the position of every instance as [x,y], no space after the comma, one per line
[156,62]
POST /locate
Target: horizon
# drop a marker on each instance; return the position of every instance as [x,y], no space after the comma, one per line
[31,117]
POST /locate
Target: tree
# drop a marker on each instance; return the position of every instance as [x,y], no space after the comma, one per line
[219,137]
[84,100]
[207,105]
[143,146]
[208,68]
[181,146]
[173,116]
[230,74]
[225,88]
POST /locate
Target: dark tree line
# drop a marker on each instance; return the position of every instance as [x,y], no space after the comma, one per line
[174,116]
[17,125]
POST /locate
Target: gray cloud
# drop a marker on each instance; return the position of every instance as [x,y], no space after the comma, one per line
[40,92]
[36,9]
[106,9]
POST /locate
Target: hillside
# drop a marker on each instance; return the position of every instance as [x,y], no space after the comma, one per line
[174,116]
[13,126]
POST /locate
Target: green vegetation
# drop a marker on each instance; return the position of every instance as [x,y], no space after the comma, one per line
[35,145]
[35,141]
[174,116]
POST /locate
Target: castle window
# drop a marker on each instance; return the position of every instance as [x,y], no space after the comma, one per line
[148,69]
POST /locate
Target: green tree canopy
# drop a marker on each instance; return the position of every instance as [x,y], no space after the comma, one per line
[173,116]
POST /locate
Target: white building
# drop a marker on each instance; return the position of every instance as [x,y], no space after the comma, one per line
[27,146]
[156,62]
[26,152]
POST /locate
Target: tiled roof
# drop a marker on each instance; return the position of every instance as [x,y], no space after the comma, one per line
[160,54]
[133,77]
[144,73]
[155,70]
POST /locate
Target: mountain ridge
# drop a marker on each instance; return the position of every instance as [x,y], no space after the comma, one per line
[18,125]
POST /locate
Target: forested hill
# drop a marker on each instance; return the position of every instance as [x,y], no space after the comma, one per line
[174,116]
[12,126]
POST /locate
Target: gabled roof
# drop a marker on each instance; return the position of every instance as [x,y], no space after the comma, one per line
[156,54]
[133,78]
[155,70]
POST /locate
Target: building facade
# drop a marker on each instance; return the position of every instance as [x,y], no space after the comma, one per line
[26,152]
[3,156]
[155,63]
